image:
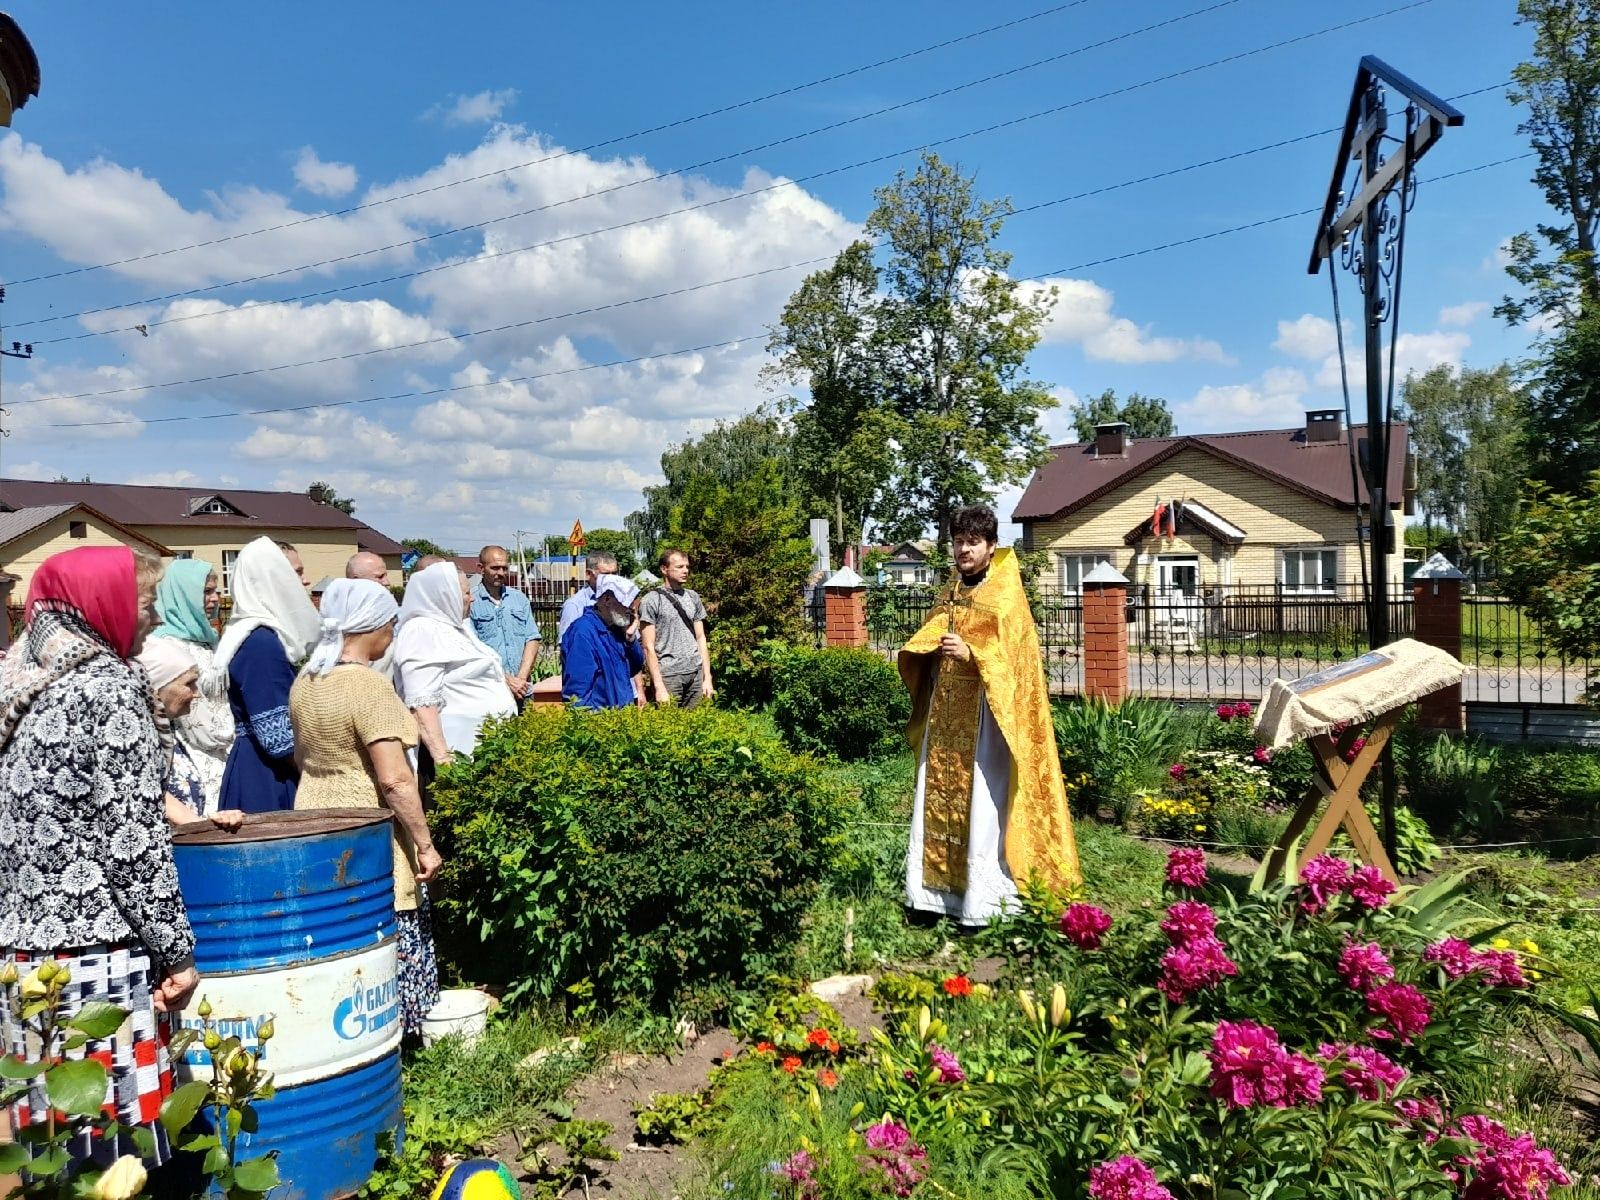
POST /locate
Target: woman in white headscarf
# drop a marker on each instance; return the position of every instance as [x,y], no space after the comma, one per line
[174,673]
[351,734]
[272,628]
[445,674]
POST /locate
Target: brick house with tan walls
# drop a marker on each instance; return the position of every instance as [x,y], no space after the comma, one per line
[212,524]
[1269,510]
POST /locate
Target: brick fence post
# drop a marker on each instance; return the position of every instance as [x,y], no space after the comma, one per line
[844,608]
[1436,591]
[1105,634]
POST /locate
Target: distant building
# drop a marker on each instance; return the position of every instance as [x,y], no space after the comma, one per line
[907,564]
[212,524]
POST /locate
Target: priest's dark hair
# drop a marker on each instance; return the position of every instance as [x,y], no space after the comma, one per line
[975,520]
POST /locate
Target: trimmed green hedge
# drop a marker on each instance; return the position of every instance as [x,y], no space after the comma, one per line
[658,856]
[848,704]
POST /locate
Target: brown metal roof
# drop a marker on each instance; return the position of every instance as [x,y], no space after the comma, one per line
[14,523]
[138,505]
[1075,476]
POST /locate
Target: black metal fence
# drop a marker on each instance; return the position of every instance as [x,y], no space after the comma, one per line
[1232,643]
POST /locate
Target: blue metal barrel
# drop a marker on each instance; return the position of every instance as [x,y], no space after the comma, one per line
[294,919]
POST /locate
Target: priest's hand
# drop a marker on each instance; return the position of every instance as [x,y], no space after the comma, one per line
[951,646]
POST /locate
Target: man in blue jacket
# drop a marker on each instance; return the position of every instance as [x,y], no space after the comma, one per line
[600,667]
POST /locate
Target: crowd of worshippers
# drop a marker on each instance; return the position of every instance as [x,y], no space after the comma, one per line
[125,712]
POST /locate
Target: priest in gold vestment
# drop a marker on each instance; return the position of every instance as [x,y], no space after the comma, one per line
[991,809]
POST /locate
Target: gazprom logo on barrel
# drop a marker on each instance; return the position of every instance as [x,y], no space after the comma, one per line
[367,1009]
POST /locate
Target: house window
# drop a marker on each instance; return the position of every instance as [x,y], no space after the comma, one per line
[922,574]
[1310,571]
[1075,566]
[78,529]
[229,557]
[217,508]
[183,554]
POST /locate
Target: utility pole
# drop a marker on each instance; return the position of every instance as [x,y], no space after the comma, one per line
[18,350]
[1376,194]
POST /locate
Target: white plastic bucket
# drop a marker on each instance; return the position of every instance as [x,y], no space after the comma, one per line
[460,1012]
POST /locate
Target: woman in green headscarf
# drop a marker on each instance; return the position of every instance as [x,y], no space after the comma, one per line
[185,599]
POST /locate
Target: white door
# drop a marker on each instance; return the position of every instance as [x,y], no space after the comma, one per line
[1178,575]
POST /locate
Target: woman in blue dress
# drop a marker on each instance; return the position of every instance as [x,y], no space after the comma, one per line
[271,630]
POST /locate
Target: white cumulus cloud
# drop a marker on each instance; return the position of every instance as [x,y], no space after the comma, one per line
[477,109]
[1084,315]
[323,178]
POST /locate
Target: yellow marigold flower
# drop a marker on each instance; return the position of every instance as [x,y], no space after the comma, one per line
[1500,943]
[1531,946]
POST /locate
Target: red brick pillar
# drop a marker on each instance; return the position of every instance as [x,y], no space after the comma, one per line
[1436,590]
[844,608]
[1105,634]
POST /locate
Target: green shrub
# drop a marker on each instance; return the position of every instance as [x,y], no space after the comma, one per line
[654,856]
[1566,780]
[849,704]
[1456,783]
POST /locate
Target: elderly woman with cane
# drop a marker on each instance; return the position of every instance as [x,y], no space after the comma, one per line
[87,880]
[351,735]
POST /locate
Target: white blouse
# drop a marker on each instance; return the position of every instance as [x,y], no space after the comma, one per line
[447,667]
[207,731]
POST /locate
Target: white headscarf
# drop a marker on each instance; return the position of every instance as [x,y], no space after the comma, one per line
[266,592]
[432,627]
[349,606]
[434,595]
[165,659]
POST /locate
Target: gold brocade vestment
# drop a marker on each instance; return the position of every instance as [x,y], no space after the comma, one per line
[1006,671]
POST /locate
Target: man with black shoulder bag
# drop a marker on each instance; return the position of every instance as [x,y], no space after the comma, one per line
[672,619]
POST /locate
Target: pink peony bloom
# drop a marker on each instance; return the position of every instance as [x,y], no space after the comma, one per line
[1364,964]
[1262,755]
[1225,712]
[1199,964]
[949,1068]
[1322,880]
[1505,1167]
[1406,1010]
[1421,1110]
[888,1134]
[1368,1073]
[1501,969]
[1176,770]
[1454,956]
[894,1157]
[1369,888]
[1250,1067]
[1125,1178]
[1243,709]
[1189,921]
[1356,747]
[1084,924]
[1187,868]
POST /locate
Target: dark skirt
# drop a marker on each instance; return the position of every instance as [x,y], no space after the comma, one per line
[419,969]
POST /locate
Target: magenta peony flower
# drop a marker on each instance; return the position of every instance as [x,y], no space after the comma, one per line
[1225,712]
[1421,1110]
[1368,1073]
[888,1134]
[1486,1131]
[1505,1167]
[1501,969]
[1199,964]
[1176,770]
[1370,889]
[1125,1178]
[1250,1067]
[1189,921]
[1186,868]
[1084,924]
[1243,709]
[893,1156]
[1364,964]
[1356,747]
[1406,1010]
[1262,755]
[1322,880]
[1454,956]
[949,1069]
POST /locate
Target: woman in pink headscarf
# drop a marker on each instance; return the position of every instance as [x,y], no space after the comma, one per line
[87,878]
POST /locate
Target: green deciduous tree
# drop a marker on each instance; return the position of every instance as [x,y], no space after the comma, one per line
[1147,416]
[323,493]
[616,542]
[1563,406]
[1550,563]
[1560,86]
[952,333]
[424,547]
[1466,428]
[843,432]
[729,452]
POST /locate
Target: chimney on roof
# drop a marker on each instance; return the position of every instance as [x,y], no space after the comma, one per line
[1111,440]
[1324,425]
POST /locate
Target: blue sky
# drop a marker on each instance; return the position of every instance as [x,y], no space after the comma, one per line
[169,125]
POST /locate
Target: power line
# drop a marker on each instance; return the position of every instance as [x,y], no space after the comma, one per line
[422,239]
[1140,253]
[600,145]
[1032,208]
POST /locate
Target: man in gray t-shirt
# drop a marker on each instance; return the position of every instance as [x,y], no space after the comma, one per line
[673,624]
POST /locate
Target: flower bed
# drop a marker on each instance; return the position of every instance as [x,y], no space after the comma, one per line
[1310,1040]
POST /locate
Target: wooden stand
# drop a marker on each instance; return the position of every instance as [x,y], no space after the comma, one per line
[1339,783]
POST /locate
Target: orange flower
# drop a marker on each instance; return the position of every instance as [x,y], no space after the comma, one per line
[765,1047]
[958,985]
[791,1064]
[819,1037]
[833,1045]
[828,1079]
